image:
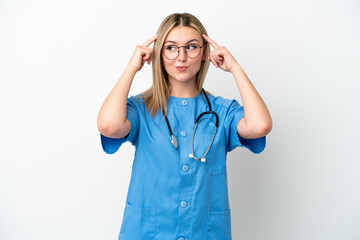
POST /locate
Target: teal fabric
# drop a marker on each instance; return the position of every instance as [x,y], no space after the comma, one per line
[170,195]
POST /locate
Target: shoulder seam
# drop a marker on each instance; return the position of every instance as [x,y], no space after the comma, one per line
[224,103]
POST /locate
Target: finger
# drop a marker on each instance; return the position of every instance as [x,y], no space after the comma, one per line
[150,56]
[150,60]
[146,56]
[149,41]
[209,57]
[213,60]
[218,56]
[212,42]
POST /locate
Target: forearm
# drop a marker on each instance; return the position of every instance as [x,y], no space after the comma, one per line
[257,118]
[257,121]
[112,115]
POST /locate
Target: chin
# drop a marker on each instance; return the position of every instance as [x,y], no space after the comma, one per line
[182,79]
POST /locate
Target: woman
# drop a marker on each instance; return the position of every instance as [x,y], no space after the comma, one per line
[178,186]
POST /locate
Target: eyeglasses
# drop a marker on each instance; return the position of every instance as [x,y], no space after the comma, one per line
[172,51]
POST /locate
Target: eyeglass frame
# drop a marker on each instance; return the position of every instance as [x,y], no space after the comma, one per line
[178,51]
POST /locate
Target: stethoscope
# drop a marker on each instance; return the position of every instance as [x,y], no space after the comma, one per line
[174,141]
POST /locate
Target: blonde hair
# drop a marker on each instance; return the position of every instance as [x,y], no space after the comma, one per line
[156,97]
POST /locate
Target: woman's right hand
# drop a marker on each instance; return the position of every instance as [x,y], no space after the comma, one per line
[143,53]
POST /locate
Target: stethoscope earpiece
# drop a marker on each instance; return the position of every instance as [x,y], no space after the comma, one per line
[192,156]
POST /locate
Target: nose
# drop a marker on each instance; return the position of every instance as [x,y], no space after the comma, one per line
[182,54]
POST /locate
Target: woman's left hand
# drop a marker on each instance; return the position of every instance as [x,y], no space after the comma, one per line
[221,57]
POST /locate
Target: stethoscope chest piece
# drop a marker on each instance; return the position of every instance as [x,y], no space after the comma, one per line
[174,141]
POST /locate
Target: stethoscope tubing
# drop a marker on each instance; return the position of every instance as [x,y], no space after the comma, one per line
[174,141]
[202,159]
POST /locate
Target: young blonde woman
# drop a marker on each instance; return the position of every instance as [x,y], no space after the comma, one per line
[178,187]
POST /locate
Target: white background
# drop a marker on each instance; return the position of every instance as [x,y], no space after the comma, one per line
[60,59]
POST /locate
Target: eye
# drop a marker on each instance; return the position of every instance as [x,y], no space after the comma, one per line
[192,47]
[171,48]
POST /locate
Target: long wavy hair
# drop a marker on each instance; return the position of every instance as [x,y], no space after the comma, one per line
[156,97]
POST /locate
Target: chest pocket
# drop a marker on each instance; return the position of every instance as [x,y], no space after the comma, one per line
[215,166]
[215,158]
[138,223]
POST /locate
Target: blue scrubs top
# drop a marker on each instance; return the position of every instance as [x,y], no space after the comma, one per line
[170,195]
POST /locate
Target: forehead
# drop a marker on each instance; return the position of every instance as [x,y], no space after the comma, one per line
[183,34]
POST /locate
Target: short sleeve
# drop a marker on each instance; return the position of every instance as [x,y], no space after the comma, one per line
[111,145]
[234,115]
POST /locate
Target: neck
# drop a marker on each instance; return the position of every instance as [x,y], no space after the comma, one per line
[184,89]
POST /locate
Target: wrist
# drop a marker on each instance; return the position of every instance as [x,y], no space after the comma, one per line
[236,68]
[131,70]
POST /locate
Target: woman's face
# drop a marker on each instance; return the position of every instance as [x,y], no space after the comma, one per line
[183,68]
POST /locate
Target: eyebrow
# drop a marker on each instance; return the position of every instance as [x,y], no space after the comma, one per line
[186,43]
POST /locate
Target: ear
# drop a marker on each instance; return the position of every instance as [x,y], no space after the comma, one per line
[204,52]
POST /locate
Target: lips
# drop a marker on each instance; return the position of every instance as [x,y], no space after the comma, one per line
[181,68]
